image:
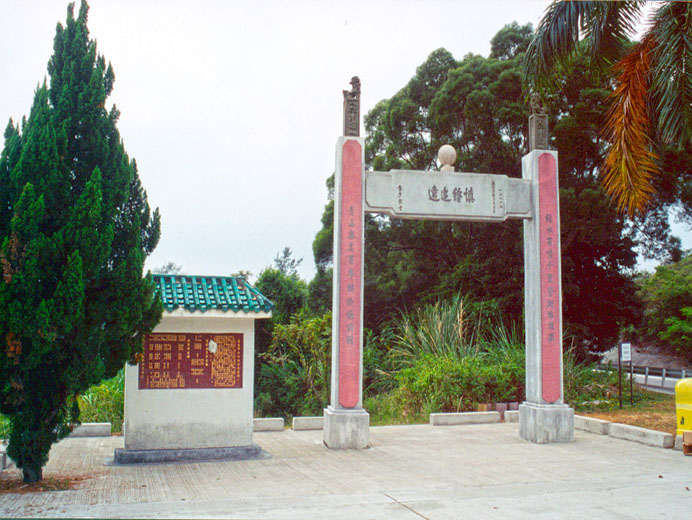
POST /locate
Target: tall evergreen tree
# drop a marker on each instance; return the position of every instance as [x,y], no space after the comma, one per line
[75,228]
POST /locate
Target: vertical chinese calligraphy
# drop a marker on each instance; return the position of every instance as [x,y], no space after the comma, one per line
[350,259]
[551,303]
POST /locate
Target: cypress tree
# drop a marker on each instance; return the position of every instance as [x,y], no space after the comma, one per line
[75,229]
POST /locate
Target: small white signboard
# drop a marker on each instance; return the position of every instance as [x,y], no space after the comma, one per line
[626,352]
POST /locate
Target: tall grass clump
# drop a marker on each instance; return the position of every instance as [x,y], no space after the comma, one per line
[453,355]
[443,329]
[104,402]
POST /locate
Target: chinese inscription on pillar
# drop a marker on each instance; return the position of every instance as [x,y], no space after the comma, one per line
[352,108]
[350,274]
[550,278]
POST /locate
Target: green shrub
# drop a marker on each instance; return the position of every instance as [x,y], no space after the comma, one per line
[667,297]
[448,384]
[295,377]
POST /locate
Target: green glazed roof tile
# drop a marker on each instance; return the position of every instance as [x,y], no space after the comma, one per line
[202,293]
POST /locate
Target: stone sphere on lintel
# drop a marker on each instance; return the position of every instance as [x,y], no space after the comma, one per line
[447,156]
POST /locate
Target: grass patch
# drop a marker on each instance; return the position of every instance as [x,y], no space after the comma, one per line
[388,409]
[650,410]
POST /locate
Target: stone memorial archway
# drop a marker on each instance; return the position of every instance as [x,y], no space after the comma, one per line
[449,195]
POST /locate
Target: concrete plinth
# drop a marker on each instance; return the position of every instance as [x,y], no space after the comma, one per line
[346,429]
[249,452]
[546,423]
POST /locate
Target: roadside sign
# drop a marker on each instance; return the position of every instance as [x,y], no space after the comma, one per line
[626,352]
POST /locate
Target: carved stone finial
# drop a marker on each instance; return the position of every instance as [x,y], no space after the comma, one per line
[352,108]
[447,156]
[538,124]
[537,106]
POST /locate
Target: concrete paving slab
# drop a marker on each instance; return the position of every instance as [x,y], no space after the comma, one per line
[591,424]
[409,472]
[268,424]
[643,435]
[448,419]
[308,423]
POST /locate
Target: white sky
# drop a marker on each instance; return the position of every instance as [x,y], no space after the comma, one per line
[232,108]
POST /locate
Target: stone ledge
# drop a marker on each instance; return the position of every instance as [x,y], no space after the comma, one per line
[449,419]
[97,429]
[512,416]
[268,424]
[3,456]
[591,424]
[641,435]
[249,452]
[308,423]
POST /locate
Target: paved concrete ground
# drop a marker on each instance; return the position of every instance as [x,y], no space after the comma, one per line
[410,472]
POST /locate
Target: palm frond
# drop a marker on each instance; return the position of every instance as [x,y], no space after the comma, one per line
[672,72]
[606,27]
[629,166]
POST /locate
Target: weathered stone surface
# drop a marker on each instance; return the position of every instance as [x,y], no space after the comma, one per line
[643,435]
[448,419]
[346,429]
[591,424]
[92,430]
[546,423]
[268,424]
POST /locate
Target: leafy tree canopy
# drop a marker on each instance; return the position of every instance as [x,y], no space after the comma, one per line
[650,109]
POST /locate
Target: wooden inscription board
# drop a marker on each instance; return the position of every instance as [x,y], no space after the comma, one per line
[189,360]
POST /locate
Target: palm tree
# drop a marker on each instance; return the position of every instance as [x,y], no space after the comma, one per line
[651,104]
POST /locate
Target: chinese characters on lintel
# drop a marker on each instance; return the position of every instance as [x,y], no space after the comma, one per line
[457,194]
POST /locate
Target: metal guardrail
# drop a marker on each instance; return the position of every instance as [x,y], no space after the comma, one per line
[657,372]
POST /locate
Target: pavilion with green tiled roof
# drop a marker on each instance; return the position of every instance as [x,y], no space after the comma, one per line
[204,293]
[191,394]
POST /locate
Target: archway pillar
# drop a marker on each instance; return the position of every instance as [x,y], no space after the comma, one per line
[346,423]
[543,417]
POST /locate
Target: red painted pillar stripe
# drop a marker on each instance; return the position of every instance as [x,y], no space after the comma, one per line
[551,311]
[350,273]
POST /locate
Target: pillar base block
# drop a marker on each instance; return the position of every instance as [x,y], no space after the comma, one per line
[546,423]
[346,429]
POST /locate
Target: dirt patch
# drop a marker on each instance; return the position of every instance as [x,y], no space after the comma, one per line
[11,482]
[659,416]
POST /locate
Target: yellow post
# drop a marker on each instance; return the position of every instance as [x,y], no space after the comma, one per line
[683,405]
